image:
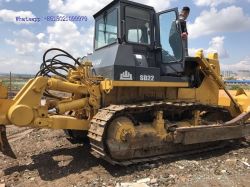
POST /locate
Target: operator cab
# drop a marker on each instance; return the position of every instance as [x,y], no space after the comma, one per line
[134,43]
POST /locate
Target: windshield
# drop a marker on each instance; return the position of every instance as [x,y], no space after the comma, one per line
[137,25]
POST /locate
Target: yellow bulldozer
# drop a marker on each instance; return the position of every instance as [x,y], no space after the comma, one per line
[136,98]
[3,91]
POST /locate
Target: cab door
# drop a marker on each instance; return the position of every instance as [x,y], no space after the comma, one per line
[170,56]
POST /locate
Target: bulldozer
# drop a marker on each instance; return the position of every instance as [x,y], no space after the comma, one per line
[3,91]
[137,97]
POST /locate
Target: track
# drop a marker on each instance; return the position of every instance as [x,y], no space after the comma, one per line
[101,121]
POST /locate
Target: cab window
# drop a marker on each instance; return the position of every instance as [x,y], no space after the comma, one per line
[106,29]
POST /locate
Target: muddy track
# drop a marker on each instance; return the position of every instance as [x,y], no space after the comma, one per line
[101,121]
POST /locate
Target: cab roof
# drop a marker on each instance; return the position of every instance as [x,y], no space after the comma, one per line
[107,7]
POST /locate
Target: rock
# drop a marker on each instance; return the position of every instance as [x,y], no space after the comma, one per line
[172,176]
[131,185]
[244,162]
[195,162]
[145,180]
[163,179]
[244,159]
[181,167]
[217,171]
[182,178]
[32,178]
[16,174]
[234,153]
[231,162]
[1,173]
[28,163]
[139,183]
[2,185]
[153,181]
[223,171]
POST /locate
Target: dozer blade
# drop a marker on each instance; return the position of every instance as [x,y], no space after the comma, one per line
[236,128]
[5,147]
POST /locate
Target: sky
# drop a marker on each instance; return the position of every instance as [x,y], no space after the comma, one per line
[214,25]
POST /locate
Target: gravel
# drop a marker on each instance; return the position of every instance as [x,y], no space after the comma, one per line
[46,158]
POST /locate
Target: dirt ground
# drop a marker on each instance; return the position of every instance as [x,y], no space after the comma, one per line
[47,158]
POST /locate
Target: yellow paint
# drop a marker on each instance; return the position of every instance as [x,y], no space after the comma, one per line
[3,91]
[159,124]
[208,91]
[5,104]
[242,99]
[59,85]
[71,105]
[61,122]
[121,128]
[23,111]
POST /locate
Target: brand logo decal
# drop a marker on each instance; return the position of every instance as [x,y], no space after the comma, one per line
[126,76]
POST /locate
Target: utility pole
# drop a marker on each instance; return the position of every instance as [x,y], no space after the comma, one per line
[10,91]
